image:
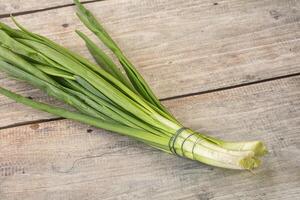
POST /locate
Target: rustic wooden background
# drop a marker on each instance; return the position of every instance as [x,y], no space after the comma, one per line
[229,68]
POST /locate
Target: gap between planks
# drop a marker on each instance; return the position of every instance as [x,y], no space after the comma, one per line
[165,99]
[44,9]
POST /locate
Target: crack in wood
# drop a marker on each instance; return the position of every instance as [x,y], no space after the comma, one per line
[75,162]
[5,15]
[231,87]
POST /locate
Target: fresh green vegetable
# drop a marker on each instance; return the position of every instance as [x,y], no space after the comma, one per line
[104,97]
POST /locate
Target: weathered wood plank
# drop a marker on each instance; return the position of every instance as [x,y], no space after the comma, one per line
[19,6]
[68,160]
[197,46]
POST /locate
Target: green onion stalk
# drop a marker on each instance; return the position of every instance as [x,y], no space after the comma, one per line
[104,97]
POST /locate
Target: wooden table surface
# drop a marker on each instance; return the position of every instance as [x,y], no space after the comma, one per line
[228,68]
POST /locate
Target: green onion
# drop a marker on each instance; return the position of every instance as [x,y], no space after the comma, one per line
[102,96]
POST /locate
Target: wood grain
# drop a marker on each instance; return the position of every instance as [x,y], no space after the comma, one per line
[67,160]
[193,45]
[19,6]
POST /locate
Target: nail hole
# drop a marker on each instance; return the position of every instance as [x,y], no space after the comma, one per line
[89,130]
[65,25]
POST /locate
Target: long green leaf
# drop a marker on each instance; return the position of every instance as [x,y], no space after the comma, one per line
[114,109]
[135,104]
[17,47]
[55,71]
[144,136]
[103,60]
[16,60]
[76,58]
[100,108]
[134,76]
[51,90]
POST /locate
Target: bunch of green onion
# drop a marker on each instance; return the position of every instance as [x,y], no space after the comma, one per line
[104,97]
